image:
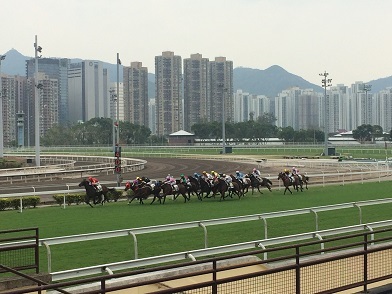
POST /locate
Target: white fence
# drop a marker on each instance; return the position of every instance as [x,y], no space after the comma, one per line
[193,254]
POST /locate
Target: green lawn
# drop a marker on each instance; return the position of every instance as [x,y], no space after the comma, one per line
[78,219]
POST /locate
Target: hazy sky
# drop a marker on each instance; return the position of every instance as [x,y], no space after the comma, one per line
[350,39]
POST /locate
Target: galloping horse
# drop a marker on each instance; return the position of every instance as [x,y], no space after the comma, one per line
[237,187]
[304,180]
[255,183]
[287,182]
[203,187]
[168,190]
[142,192]
[93,194]
[220,186]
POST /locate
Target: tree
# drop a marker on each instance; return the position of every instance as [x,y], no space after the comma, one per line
[286,134]
[363,133]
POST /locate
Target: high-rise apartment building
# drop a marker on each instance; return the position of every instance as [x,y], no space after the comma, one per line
[249,106]
[168,85]
[113,101]
[13,91]
[196,90]
[135,79]
[221,87]
[54,68]
[88,91]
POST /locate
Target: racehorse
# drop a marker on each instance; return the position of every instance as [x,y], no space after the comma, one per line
[255,183]
[168,190]
[92,193]
[220,186]
[143,191]
[304,180]
[202,187]
[287,182]
[237,187]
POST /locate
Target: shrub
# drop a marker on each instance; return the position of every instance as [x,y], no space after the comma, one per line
[115,195]
[14,202]
[76,198]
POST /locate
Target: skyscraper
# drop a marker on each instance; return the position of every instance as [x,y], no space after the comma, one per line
[196,90]
[88,90]
[135,79]
[221,87]
[54,68]
[168,84]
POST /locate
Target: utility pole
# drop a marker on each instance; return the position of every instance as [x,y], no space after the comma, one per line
[325,83]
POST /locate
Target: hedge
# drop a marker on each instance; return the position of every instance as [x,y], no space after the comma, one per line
[14,202]
[78,198]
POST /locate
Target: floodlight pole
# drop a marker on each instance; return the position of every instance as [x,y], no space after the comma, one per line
[325,83]
[118,113]
[37,104]
[2,57]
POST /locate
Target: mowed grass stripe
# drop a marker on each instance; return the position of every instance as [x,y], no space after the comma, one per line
[80,219]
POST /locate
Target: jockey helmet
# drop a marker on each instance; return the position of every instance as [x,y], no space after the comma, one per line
[237,172]
[182,175]
[138,178]
[286,170]
[204,172]
[254,169]
[90,178]
[195,174]
[293,168]
[212,172]
[168,178]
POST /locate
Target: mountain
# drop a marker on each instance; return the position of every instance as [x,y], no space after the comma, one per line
[14,63]
[268,82]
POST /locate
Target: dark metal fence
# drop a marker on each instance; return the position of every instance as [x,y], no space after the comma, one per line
[342,263]
[20,256]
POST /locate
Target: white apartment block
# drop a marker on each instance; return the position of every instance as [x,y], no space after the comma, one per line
[113,101]
[88,90]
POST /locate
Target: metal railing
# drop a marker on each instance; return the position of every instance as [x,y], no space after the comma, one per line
[354,262]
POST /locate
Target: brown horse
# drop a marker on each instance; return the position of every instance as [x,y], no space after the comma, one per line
[201,187]
[304,180]
[168,190]
[220,186]
[287,182]
[256,183]
[141,192]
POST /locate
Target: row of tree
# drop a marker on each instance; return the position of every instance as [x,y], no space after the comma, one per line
[99,131]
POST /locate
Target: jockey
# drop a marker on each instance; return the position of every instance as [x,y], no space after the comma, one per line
[184,180]
[95,183]
[228,180]
[207,177]
[295,171]
[197,176]
[290,176]
[138,182]
[170,180]
[257,174]
[214,174]
[239,175]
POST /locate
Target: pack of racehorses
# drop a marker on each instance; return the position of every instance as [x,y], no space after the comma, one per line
[200,187]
